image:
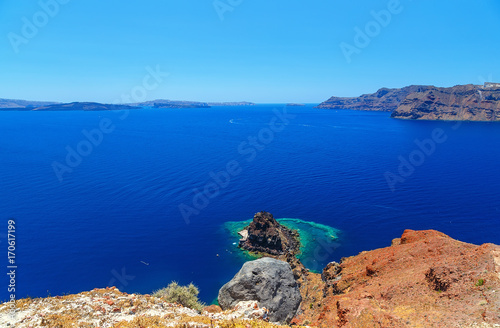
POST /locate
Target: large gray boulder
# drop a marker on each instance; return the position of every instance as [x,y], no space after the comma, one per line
[268,281]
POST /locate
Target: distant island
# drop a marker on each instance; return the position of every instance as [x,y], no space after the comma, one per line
[415,102]
[295,105]
[165,103]
[74,106]
[241,103]
[15,104]
[161,103]
[418,102]
[26,105]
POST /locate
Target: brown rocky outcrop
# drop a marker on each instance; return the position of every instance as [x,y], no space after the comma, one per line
[265,235]
[385,100]
[426,279]
[420,102]
[459,103]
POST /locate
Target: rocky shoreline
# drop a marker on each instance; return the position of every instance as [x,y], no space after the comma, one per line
[266,236]
[424,279]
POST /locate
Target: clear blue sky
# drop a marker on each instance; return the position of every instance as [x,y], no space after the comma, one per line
[263,51]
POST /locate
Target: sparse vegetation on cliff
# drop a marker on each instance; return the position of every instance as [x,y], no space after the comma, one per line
[185,295]
[111,308]
[425,279]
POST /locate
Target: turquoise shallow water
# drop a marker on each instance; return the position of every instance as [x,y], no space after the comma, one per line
[120,206]
[318,241]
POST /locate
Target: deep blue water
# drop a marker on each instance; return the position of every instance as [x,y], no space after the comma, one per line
[119,206]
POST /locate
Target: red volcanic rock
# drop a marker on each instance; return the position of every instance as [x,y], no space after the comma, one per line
[212,309]
[426,280]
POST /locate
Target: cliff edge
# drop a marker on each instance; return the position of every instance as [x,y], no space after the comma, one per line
[425,279]
[420,102]
[384,100]
[459,103]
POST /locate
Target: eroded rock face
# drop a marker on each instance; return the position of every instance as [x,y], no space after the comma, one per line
[385,100]
[459,103]
[420,102]
[268,281]
[266,235]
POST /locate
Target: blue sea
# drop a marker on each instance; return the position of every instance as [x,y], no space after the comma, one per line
[146,203]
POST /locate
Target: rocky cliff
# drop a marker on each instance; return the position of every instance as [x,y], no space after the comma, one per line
[419,102]
[267,236]
[386,100]
[425,279]
[459,103]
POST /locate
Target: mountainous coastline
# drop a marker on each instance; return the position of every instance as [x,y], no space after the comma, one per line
[459,103]
[239,103]
[418,102]
[85,106]
[25,105]
[384,100]
[22,104]
[166,103]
